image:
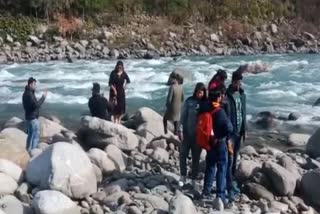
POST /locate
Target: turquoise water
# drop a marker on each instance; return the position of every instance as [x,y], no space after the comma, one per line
[291,85]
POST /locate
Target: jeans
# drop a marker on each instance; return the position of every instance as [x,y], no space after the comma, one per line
[216,157]
[232,162]
[33,129]
[187,144]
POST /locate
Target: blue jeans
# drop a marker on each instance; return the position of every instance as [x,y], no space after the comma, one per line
[232,162]
[33,129]
[216,157]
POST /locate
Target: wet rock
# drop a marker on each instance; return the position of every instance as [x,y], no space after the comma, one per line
[309,181]
[298,139]
[313,145]
[294,116]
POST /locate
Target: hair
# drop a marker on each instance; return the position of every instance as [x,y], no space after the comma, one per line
[216,93]
[31,80]
[220,73]
[237,76]
[200,87]
[119,63]
[96,88]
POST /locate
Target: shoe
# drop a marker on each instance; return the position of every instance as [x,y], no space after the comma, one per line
[182,181]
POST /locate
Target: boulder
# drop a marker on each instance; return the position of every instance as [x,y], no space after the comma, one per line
[298,42]
[182,204]
[294,116]
[9,38]
[155,201]
[150,130]
[117,156]
[310,183]
[162,143]
[274,29]
[97,172]
[249,150]
[95,132]
[265,120]
[278,206]
[50,128]
[7,184]
[145,115]
[14,152]
[114,54]
[247,168]
[214,37]
[100,159]
[13,135]
[282,180]
[298,139]
[11,205]
[13,122]
[309,36]
[80,48]
[13,170]
[160,155]
[35,40]
[256,192]
[53,202]
[313,145]
[22,193]
[63,167]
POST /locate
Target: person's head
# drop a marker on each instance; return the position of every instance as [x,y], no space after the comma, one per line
[32,82]
[119,67]
[236,80]
[215,96]
[222,75]
[96,88]
[175,78]
[200,91]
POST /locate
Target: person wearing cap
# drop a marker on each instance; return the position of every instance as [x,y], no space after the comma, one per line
[31,107]
[236,111]
[218,80]
[99,105]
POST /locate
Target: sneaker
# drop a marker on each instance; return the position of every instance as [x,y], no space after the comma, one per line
[182,181]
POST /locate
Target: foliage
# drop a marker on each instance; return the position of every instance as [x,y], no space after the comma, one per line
[20,28]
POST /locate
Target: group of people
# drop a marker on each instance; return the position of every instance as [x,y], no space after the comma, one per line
[112,109]
[227,107]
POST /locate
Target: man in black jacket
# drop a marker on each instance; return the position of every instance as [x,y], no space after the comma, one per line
[236,111]
[99,106]
[31,107]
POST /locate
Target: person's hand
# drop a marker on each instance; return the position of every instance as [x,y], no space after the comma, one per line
[180,135]
[45,93]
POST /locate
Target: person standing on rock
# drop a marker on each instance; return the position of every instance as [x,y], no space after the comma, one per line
[174,103]
[187,133]
[31,107]
[117,82]
[236,111]
[99,105]
[218,80]
[217,155]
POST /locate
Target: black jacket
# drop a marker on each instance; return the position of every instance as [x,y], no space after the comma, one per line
[99,106]
[230,108]
[30,104]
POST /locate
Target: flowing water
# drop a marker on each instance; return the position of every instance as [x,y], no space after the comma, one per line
[292,85]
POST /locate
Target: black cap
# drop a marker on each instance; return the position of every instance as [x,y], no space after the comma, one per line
[237,76]
[31,80]
[96,87]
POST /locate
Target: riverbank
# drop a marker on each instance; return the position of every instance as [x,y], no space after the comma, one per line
[145,37]
[135,169]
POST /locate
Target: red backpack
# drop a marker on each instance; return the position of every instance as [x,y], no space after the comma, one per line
[204,132]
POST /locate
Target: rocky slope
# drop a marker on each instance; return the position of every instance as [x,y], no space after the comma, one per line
[109,168]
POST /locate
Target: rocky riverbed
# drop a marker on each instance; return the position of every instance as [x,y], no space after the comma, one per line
[108,168]
[152,37]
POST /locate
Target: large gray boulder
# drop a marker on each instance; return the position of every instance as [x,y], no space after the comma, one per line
[256,192]
[50,128]
[155,201]
[282,180]
[14,135]
[313,145]
[13,151]
[247,168]
[310,186]
[182,204]
[11,205]
[150,130]
[11,169]
[101,160]
[7,184]
[145,115]
[117,156]
[63,167]
[53,202]
[95,132]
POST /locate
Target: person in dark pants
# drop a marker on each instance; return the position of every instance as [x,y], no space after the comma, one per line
[99,105]
[187,133]
[217,156]
[31,107]
[236,111]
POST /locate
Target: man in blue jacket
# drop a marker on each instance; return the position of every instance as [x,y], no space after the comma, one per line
[236,111]
[31,107]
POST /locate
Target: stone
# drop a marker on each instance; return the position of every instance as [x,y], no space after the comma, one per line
[246,169]
[162,143]
[309,183]
[13,135]
[256,191]
[97,172]
[7,184]
[96,209]
[278,206]
[134,210]
[160,155]
[101,159]
[182,204]
[218,204]
[288,163]
[13,170]
[150,130]
[11,205]
[116,155]
[80,48]
[114,54]
[313,145]
[53,202]
[214,37]
[203,49]
[115,198]
[172,35]
[309,36]
[249,150]
[9,38]
[282,180]
[150,46]
[63,167]
[274,29]
[35,40]
[22,193]
[294,116]
[298,42]
[155,201]
[298,139]
[107,34]
[95,132]
[84,43]
[50,128]
[265,120]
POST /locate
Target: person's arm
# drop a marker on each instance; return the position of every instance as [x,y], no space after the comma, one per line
[222,124]
[126,79]
[33,103]
[184,115]
[112,83]
[170,96]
